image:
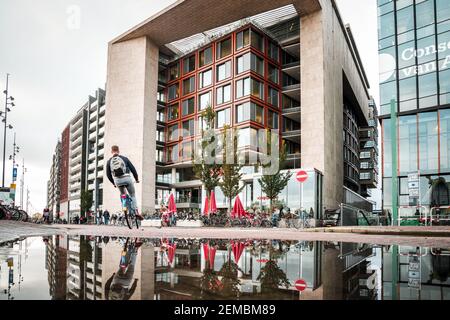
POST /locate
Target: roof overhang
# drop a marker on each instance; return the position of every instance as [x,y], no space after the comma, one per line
[185,18]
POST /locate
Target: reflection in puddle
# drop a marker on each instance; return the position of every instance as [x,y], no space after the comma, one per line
[102,268]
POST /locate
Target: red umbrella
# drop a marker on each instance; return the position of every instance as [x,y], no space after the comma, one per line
[206,208]
[172,206]
[171,252]
[213,203]
[206,251]
[238,249]
[212,256]
[238,209]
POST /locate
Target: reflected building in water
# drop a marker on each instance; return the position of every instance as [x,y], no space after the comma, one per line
[193,269]
[56,265]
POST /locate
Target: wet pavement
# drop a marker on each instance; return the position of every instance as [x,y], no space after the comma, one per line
[89,267]
[11,230]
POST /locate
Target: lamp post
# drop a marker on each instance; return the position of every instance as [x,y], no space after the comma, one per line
[12,157]
[8,102]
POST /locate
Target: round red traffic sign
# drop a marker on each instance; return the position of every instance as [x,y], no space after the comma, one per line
[302,176]
[300,285]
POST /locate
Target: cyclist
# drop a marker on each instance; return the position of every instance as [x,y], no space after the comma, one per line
[118,170]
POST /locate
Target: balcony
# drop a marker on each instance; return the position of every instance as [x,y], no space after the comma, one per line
[91,176]
[92,156]
[91,166]
[292,91]
[101,132]
[100,173]
[101,121]
[91,186]
[102,110]
[93,116]
[101,142]
[292,69]
[75,160]
[292,135]
[75,169]
[93,126]
[93,136]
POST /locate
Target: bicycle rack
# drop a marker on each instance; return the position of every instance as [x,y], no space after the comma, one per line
[438,217]
[421,215]
[445,252]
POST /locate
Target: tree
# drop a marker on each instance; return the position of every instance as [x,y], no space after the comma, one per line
[86,201]
[273,184]
[206,170]
[231,175]
[271,275]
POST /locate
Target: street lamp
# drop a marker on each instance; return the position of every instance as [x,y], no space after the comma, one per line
[8,102]
[12,157]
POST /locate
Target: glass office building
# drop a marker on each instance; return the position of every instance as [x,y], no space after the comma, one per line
[414,52]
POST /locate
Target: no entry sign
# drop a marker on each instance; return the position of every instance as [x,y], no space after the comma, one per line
[302,176]
[300,285]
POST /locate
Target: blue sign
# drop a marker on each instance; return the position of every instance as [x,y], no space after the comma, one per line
[14,174]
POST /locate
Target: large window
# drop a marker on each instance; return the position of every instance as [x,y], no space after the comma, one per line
[273,51]
[223,48]
[257,89]
[405,19]
[242,39]
[257,41]
[444,86]
[172,153]
[250,61]
[249,111]
[188,107]
[272,120]
[424,13]
[274,73]
[205,57]
[408,94]
[173,112]
[223,117]
[428,90]
[187,151]
[443,10]
[188,85]
[444,134]
[224,71]
[387,153]
[174,71]
[188,128]
[204,100]
[223,94]
[242,87]
[205,78]
[247,137]
[189,64]
[407,127]
[273,97]
[172,132]
[174,91]
[386,25]
[428,142]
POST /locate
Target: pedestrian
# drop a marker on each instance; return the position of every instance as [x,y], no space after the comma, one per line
[114,219]
[99,217]
[46,215]
[106,217]
[77,219]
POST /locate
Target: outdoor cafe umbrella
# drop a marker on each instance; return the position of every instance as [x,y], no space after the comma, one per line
[237,248]
[172,206]
[210,254]
[206,208]
[213,205]
[171,252]
[238,209]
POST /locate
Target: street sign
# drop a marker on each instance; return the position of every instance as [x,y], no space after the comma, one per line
[262,260]
[14,174]
[300,285]
[413,185]
[302,176]
[10,262]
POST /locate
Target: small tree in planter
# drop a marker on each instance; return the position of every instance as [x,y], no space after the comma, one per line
[86,201]
[231,175]
[207,171]
[273,184]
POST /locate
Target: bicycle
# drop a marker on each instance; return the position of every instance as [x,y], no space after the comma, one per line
[129,212]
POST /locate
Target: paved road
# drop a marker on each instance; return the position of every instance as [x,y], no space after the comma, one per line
[12,230]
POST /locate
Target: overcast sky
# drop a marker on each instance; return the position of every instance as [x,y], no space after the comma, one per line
[57,59]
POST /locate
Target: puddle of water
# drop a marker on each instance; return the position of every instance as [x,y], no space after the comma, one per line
[104,268]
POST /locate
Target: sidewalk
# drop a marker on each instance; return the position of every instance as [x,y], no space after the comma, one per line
[435,231]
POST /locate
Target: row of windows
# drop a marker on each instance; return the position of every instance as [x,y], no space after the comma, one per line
[409,16]
[248,111]
[244,63]
[423,143]
[223,49]
[244,87]
[247,137]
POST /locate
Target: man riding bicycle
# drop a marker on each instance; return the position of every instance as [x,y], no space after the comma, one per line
[118,170]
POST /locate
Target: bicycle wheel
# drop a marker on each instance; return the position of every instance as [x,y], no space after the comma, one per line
[16,215]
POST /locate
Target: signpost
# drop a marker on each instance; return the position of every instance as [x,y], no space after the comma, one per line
[414,189]
[300,285]
[301,177]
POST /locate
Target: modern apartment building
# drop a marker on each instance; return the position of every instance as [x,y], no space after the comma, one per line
[81,156]
[290,66]
[54,183]
[414,50]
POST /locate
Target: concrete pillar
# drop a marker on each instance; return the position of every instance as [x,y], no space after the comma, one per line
[130,123]
[174,180]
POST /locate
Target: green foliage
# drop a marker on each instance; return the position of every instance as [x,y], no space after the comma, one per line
[86,201]
[272,185]
[230,280]
[207,173]
[231,175]
[271,277]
